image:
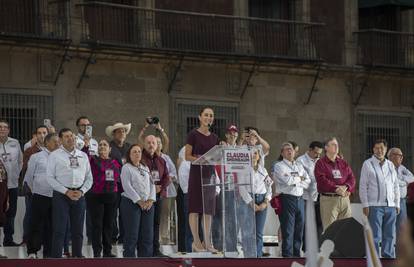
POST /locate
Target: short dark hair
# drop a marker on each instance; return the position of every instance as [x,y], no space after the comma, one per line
[128,154]
[41,126]
[5,121]
[315,144]
[381,141]
[81,118]
[64,130]
[248,128]
[49,137]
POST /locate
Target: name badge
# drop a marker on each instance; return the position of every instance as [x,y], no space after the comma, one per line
[294,174]
[73,162]
[6,157]
[109,175]
[155,176]
[336,174]
[268,181]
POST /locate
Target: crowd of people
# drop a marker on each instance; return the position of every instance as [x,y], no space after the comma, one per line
[124,192]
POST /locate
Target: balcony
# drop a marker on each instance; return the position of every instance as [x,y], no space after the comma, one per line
[383,48]
[38,20]
[121,26]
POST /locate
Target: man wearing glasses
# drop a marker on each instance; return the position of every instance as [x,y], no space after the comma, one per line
[82,123]
[12,157]
[405,177]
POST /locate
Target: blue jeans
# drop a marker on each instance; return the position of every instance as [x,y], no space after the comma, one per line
[10,215]
[260,223]
[64,209]
[230,217]
[402,217]
[291,224]
[382,221]
[139,229]
[244,216]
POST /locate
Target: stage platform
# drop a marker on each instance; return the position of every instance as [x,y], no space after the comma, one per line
[169,262]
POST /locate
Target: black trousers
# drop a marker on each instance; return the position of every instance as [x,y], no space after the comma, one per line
[157,216]
[181,220]
[102,211]
[40,230]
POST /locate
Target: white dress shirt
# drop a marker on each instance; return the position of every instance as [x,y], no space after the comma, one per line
[308,164]
[287,176]
[183,171]
[259,185]
[405,177]
[12,157]
[137,183]
[27,145]
[93,144]
[61,176]
[172,172]
[378,185]
[36,177]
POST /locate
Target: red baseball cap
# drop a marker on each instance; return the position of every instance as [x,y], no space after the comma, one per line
[232,128]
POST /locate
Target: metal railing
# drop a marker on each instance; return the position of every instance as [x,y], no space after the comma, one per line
[41,19]
[131,26]
[385,48]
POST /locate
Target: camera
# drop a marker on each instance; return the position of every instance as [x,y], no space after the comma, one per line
[152,120]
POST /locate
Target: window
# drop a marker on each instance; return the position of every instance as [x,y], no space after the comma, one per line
[24,113]
[184,118]
[395,128]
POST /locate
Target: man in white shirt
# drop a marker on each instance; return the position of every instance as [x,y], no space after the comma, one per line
[12,157]
[308,161]
[380,197]
[69,174]
[405,177]
[81,123]
[291,179]
[41,211]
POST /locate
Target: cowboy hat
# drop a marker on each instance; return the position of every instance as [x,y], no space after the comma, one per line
[119,125]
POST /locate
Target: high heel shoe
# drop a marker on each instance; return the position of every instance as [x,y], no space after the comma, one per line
[194,248]
[210,248]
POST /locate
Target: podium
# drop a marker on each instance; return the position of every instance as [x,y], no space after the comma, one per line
[226,180]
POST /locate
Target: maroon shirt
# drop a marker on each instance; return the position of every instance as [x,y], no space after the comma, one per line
[158,164]
[324,174]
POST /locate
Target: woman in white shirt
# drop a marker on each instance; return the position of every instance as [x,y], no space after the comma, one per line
[259,199]
[137,205]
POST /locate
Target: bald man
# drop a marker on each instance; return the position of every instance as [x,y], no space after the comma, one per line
[159,174]
[405,177]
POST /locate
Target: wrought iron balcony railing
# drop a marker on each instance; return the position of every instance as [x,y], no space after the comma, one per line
[42,19]
[385,48]
[187,32]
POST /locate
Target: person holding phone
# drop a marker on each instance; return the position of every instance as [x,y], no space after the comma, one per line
[251,137]
[101,200]
[85,129]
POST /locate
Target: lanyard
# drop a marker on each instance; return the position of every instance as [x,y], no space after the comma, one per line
[72,154]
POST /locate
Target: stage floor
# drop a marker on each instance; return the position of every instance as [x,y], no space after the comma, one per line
[163,262]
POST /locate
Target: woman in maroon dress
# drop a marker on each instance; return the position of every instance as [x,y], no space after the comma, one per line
[199,141]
